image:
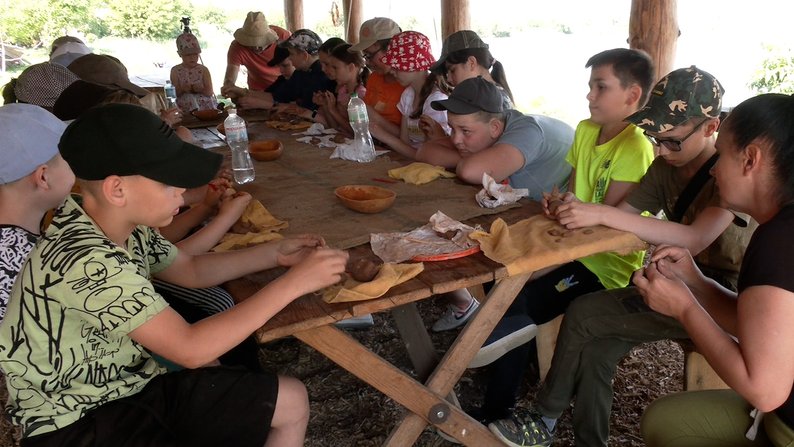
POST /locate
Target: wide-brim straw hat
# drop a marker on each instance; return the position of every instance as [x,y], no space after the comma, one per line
[255,31]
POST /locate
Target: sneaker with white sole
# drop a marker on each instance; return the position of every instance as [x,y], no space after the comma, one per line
[511,332]
[454,317]
[525,428]
[359,322]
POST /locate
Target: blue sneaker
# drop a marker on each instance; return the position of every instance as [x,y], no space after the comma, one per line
[511,332]
[524,429]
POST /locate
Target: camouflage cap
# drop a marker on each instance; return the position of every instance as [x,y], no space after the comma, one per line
[681,95]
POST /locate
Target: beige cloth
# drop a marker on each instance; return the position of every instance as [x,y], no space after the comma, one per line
[539,242]
[261,227]
[389,276]
[419,173]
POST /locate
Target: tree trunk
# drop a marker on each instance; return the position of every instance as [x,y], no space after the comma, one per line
[293,14]
[653,27]
[454,16]
[352,11]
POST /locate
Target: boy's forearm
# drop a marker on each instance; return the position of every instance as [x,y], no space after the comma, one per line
[207,237]
[182,223]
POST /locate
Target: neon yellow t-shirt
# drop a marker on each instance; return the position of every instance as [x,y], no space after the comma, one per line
[624,158]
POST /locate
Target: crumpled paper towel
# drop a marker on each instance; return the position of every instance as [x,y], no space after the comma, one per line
[347,152]
[494,194]
[316,129]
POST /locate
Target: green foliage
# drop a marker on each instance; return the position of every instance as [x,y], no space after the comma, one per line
[209,15]
[147,19]
[38,22]
[776,74]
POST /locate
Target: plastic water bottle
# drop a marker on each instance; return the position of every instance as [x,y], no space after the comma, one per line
[363,147]
[170,94]
[237,139]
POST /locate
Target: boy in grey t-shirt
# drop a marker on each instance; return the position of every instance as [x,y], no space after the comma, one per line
[527,150]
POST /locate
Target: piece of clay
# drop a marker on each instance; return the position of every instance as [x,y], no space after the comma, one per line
[363,269]
[449,235]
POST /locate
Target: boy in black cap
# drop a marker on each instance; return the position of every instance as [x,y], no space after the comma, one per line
[527,150]
[84,315]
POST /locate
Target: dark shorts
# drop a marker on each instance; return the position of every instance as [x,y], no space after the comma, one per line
[203,407]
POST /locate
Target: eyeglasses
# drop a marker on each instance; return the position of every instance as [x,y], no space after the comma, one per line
[369,56]
[672,144]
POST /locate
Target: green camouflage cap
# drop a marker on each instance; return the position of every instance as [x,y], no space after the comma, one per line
[681,95]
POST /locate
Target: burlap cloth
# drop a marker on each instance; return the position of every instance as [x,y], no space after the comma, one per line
[539,242]
[389,276]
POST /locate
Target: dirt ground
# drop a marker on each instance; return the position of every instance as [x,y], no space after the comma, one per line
[347,412]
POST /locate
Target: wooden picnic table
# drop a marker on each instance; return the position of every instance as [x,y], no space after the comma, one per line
[298,188]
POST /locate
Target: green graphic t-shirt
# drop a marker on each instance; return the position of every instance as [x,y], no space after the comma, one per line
[624,158]
[63,343]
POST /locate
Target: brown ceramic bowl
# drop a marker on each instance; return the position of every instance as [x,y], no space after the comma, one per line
[221,128]
[207,114]
[265,150]
[365,198]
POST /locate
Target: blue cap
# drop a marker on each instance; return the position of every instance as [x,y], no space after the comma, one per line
[29,138]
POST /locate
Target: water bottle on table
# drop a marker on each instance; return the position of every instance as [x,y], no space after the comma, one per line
[170,94]
[363,147]
[237,139]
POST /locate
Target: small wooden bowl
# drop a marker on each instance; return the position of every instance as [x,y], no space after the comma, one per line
[265,150]
[365,199]
[207,114]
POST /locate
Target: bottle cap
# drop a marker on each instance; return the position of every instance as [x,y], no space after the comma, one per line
[231,111]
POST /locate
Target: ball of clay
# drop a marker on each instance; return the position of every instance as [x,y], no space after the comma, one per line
[363,269]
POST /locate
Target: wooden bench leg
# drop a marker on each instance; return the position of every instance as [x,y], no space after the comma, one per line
[699,375]
[546,340]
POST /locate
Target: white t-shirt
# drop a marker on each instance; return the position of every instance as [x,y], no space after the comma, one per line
[406,107]
[15,246]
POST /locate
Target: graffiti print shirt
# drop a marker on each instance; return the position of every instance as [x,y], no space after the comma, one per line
[15,244]
[63,344]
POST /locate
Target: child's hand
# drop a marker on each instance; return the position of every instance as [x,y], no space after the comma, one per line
[216,190]
[197,87]
[294,249]
[431,128]
[321,267]
[171,116]
[319,99]
[234,206]
[232,91]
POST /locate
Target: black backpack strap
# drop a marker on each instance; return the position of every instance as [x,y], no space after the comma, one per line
[692,189]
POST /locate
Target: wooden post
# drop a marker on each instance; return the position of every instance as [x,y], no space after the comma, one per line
[653,27]
[293,14]
[352,12]
[454,16]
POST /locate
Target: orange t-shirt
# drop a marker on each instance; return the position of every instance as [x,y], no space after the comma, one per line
[384,96]
[260,76]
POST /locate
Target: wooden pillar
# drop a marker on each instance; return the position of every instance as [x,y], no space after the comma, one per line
[352,12]
[653,27]
[454,16]
[293,14]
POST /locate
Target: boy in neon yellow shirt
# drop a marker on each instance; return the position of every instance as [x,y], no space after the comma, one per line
[609,156]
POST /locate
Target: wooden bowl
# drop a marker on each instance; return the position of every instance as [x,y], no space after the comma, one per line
[365,198]
[265,150]
[207,114]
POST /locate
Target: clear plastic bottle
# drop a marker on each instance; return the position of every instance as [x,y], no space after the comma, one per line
[363,147]
[170,94]
[237,139]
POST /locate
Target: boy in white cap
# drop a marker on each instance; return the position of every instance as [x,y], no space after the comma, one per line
[34,179]
[83,317]
[253,47]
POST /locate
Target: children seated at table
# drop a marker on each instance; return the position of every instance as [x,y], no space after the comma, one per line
[608,158]
[191,79]
[350,74]
[84,314]
[464,56]
[410,56]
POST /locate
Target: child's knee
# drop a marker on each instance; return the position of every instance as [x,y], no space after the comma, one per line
[293,397]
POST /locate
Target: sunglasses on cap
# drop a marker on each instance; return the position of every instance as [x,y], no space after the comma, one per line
[671,144]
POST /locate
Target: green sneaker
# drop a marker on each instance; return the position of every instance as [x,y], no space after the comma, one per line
[524,429]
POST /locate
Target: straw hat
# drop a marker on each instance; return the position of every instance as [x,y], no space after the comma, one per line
[255,31]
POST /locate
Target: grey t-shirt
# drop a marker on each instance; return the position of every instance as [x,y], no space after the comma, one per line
[544,142]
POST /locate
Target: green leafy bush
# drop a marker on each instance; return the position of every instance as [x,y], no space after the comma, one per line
[37,22]
[146,19]
[776,74]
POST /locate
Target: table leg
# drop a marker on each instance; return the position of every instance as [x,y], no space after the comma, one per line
[458,357]
[348,353]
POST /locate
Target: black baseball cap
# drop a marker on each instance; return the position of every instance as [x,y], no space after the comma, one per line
[471,96]
[279,55]
[126,139]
